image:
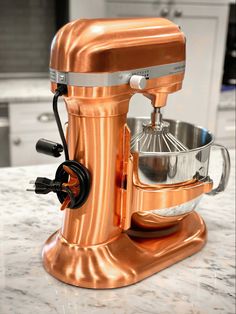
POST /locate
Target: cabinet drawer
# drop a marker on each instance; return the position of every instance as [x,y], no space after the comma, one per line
[34,117]
[23,152]
[225,124]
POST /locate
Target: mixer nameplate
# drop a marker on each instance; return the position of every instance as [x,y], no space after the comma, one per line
[115,78]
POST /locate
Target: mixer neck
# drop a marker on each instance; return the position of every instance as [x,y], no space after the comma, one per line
[157,123]
[156,117]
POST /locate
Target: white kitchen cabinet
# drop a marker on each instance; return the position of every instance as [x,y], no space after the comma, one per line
[28,123]
[205,27]
[23,152]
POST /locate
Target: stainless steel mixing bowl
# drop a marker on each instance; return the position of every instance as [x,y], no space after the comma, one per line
[175,167]
[178,167]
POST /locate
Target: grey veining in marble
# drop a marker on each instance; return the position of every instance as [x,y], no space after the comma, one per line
[201,284]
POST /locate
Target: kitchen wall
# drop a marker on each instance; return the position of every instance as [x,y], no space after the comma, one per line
[26,30]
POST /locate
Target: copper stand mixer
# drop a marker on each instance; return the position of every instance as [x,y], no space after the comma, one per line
[128,206]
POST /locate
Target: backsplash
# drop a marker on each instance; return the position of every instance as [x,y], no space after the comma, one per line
[26,30]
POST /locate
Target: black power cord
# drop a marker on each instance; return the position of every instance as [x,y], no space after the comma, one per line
[61,175]
[61,90]
[45,185]
[59,185]
[83,176]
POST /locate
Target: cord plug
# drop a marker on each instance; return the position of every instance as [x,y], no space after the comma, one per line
[71,184]
[44,186]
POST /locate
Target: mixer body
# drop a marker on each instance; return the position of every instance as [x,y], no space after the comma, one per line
[95,247]
[117,237]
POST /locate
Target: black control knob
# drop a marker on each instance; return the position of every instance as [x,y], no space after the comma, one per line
[50,148]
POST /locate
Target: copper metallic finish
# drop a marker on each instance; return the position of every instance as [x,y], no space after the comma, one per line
[145,198]
[110,45]
[123,260]
[92,46]
[152,198]
[96,131]
[92,249]
[96,138]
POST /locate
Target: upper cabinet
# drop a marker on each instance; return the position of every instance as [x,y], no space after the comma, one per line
[205,27]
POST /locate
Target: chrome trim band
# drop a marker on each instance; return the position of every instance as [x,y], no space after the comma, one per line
[114,78]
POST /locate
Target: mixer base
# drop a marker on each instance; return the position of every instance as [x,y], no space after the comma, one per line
[124,260]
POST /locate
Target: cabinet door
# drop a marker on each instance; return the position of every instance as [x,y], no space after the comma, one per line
[205,30]
[23,152]
[35,117]
[28,123]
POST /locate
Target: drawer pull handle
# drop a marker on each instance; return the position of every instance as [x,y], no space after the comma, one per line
[164,12]
[178,13]
[17,141]
[46,117]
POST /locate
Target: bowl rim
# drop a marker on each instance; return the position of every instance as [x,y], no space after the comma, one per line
[174,153]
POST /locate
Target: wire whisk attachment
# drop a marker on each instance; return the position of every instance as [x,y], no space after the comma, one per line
[156,137]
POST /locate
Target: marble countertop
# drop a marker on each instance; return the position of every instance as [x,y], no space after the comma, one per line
[25,90]
[201,284]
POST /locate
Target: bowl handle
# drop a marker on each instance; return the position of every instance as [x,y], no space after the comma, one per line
[225,170]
